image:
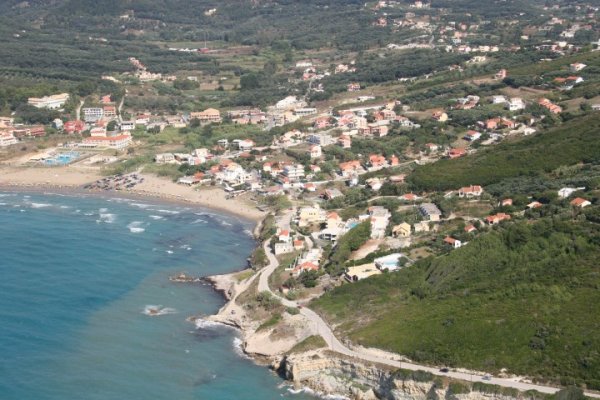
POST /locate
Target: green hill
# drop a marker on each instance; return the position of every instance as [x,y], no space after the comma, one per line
[573,142]
[524,297]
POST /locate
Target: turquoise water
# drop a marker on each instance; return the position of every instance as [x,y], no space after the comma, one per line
[77,274]
[62,158]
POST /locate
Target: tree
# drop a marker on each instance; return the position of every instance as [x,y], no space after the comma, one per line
[259,258]
[250,81]
[570,393]
[111,126]
[309,279]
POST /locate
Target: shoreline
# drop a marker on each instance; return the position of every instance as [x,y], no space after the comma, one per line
[71,181]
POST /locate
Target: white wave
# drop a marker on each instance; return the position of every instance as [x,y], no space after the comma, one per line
[3,204]
[302,390]
[55,194]
[136,227]
[155,311]
[225,223]
[204,213]
[155,217]
[238,347]
[141,205]
[88,214]
[185,247]
[119,200]
[200,221]
[313,393]
[107,218]
[248,232]
[65,207]
[168,211]
[335,397]
[169,251]
[103,210]
[206,324]
[40,205]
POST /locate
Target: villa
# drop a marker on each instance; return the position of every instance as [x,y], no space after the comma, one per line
[210,115]
[470,191]
[360,272]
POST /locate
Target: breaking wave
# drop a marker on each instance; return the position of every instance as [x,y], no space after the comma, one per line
[40,205]
[107,218]
[136,227]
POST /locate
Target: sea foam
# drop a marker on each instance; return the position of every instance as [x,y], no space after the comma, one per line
[107,218]
[136,227]
[156,311]
[40,205]
[168,212]
[141,205]
[206,324]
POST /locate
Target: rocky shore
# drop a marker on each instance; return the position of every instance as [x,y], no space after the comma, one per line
[328,373]
[266,345]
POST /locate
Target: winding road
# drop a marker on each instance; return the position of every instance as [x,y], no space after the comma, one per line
[320,327]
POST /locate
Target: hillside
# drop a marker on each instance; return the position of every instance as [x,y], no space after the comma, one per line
[574,142]
[523,297]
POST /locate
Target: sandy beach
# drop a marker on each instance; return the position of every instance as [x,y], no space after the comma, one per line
[69,178]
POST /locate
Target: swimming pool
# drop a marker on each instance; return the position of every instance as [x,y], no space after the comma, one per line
[62,158]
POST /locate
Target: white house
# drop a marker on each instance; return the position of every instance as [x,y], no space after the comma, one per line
[244,144]
[315,151]
[293,172]
[567,191]
[576,67]
[515,104]
[380,218]
[92,114]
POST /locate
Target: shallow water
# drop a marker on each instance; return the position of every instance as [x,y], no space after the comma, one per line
[78,275]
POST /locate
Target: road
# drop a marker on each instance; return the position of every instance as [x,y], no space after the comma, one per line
[78,111]
[120,107]
[321,327]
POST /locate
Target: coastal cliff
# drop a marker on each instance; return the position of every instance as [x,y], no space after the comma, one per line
[289,349]
[329,373]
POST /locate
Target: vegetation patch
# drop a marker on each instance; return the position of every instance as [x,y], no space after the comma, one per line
[521,297]
[310,343]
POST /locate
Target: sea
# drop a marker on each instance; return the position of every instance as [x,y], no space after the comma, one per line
[79,276]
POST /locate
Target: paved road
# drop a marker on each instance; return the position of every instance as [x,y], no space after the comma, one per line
[321,328]
[78,110]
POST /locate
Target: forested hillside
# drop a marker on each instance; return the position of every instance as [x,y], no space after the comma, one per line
[574,142]
[523,297]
